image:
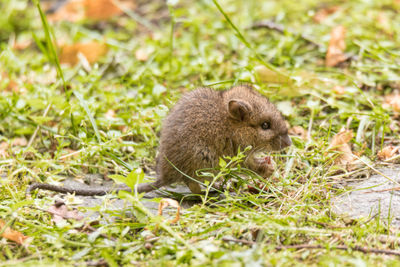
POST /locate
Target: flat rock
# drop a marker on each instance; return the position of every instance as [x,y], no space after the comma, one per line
[378,195]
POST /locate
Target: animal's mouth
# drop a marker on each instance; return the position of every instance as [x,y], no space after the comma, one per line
[281,142]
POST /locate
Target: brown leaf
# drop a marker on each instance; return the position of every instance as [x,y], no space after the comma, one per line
[141,54]
[339,143]
[323,13]
[12,235]
[393,101]
[19,141]
[60,213]
[299,131]
[110,114]
[91,50]
[165,202]
[340,90]
[3,149]
[337,45]
[72,10]
[75,10]
[384,22]
[22,45]
[105,9]
[388,152]
[12,86]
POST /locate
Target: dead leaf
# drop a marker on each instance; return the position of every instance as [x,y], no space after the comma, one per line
[12,235]
[72,10]
[165,202]
[12,86]
[141,54]
[392,101]
[22,45]
[323,13]
[299,131]
[340,90]
[110,114]
[339,143]
[75,10]
[384,22]
[19,141]
[60,213]
[92,51]
[337,45]
[104,9]
[3,149]
[388,152]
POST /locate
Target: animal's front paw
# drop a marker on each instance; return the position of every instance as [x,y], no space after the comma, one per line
[264,166]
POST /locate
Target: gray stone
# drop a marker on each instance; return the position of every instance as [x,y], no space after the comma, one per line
[372,197]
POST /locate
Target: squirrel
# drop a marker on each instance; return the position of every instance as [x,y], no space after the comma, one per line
[203,126]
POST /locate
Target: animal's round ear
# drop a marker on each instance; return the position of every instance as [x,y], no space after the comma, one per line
[238,109]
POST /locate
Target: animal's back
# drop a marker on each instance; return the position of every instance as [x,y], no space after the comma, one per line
[192,135]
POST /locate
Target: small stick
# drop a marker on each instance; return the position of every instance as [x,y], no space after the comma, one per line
[342,247]
[383,190]
[308,246]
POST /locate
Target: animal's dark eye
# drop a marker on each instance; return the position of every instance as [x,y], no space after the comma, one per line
[265,125]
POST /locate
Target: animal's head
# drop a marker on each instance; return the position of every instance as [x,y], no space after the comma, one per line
[255,120]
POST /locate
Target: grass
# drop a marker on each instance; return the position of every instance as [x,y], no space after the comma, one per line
[105,119]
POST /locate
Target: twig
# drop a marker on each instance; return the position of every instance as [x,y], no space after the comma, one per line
[342,247]
[281,29]
[383,190]
[308,246]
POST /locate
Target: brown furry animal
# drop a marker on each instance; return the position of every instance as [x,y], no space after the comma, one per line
[202,127]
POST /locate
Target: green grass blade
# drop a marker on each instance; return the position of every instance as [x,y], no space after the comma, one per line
[89,114]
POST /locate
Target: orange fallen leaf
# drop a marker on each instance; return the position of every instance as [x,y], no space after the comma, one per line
[392,101]
[384,22]
[72,10]
[339,143]
[388,152]
[11,85]
[110,114]
[12,235]
[92,51]
[21,45]
[340,90]
[323,13]
[141,54]
[337,45]
[299,131]
[104,9]
[165,202]
[19,141]
[3,149]
[75,10]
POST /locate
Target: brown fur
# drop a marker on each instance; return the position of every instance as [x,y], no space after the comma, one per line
[206,124]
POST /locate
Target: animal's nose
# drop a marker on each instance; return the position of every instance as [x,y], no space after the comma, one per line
[285,141]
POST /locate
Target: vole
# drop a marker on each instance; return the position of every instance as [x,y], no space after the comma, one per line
[203,126]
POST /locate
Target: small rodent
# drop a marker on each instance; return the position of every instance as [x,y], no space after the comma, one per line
[202,127]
